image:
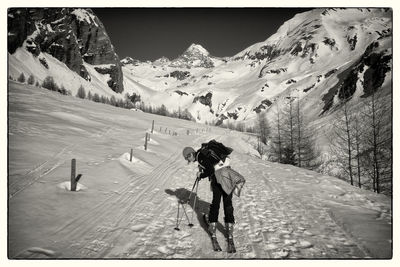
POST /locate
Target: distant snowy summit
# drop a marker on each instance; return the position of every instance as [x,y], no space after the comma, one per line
[196,56]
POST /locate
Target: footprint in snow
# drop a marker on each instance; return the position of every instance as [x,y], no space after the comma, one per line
[281,254]
[304,244]
[37,252]
[139,227]
[164,250]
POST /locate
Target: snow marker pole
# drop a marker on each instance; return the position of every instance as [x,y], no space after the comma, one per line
[73,170]
[145,142]
[131,155]
[152,127]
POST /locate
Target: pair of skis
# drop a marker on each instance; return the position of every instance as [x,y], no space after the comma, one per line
[214,242]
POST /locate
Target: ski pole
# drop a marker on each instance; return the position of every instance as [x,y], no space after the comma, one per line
[181,217]
[193,188]
[182,202]
[194,202]
[177,219]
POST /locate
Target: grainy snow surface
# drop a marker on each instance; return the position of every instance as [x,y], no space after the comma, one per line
[128,209]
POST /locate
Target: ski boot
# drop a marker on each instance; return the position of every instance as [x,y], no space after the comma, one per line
[212,231]
[231,245]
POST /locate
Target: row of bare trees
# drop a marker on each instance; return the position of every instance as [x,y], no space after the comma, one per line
[359,136]
[361,143]
[289,137]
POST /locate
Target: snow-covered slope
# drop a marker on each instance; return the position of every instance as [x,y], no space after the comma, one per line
[24,62]
[128,209]
[308,57]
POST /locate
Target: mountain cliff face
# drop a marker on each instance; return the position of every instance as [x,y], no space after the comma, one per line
[72,36]
[319,56]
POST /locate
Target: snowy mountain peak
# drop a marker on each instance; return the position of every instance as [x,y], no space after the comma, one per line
[85,15]
[129,60]
[196,48]
[195,56]
[161,61]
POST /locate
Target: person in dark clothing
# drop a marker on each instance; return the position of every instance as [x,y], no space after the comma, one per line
[207,169]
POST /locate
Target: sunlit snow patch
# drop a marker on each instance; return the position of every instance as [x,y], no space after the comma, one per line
[67,186]
[136,165]
[37,252]
[138,227]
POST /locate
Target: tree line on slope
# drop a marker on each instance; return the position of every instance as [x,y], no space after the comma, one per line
[129,102]
[362,142]
[359,141]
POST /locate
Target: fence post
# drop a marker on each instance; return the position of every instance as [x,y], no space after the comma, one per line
[73,171]
[131,155]
[152,127]
[187,132]
[145,142]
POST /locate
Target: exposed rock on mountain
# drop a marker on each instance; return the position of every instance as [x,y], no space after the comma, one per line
[73,36]
[205,100]
[264,105]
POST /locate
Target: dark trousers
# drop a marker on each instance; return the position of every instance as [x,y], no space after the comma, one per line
[218,192]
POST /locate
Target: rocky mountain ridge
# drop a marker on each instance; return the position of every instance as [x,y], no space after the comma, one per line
[74,36]
[316,56]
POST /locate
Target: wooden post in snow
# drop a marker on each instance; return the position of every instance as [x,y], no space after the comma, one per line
[73,171]
[145,142]
[130,159]
[152,127]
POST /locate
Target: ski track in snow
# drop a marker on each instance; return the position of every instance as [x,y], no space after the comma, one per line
[48,166]
[273,221]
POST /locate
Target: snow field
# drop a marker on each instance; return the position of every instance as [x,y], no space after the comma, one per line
[129,209]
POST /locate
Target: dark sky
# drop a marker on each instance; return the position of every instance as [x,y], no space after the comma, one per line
[150,33]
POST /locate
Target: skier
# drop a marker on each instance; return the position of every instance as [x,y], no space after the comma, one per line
[207,165]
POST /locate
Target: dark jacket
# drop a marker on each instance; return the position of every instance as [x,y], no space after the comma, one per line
[206,164]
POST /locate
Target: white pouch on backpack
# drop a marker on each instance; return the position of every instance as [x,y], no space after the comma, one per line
[222,164]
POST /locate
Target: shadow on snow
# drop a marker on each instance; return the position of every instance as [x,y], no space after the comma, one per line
[202,207]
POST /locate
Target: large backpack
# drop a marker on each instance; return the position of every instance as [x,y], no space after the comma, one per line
[216,150]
